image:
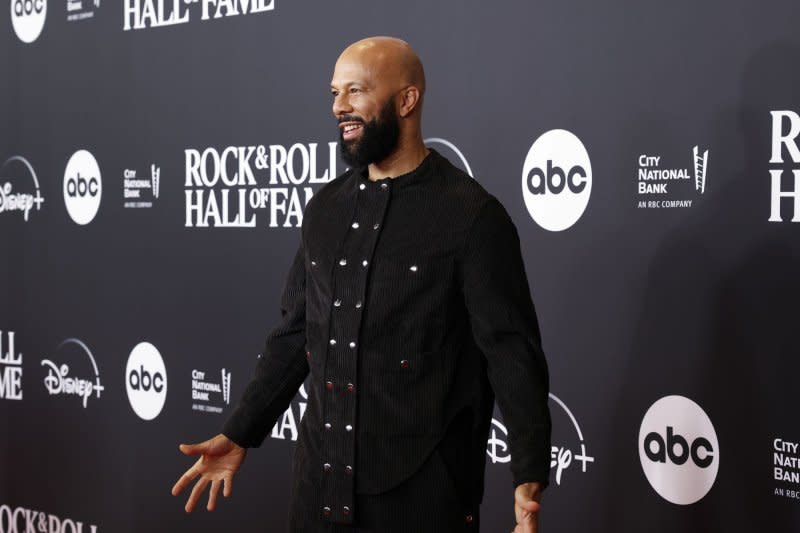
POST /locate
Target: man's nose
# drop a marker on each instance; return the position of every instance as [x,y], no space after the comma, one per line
[341,105]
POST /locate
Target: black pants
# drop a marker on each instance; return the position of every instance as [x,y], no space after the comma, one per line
[427,502]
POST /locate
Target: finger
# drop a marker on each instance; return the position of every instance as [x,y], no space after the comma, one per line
[184,480]
[228,486]
[521,513]
[197,491]
[212,495]
[525,517]
[531,524]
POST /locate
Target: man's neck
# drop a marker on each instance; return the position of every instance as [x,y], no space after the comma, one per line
[402,161]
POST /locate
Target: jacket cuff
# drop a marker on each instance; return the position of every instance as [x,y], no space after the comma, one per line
[541,476]
[235,429]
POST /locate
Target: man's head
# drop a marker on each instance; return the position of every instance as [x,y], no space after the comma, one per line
[378,85]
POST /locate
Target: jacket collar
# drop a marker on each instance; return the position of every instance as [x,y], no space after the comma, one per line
[423,172]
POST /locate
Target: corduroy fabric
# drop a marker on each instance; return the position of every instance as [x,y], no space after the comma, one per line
[409,305]
[426,502]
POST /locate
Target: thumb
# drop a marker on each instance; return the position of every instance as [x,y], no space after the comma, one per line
[195,449]
[531,505]
[526,502]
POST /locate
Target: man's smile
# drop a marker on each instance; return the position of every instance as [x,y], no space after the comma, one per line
[351,130]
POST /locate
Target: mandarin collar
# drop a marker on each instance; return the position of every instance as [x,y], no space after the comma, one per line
[398,182]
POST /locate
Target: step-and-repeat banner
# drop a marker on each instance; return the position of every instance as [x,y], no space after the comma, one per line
[157,157]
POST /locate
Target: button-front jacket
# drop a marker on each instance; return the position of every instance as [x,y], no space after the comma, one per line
[409,305]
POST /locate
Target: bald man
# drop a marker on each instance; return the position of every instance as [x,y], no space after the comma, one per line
[408,306]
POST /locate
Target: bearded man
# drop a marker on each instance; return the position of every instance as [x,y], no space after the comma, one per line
[408,305]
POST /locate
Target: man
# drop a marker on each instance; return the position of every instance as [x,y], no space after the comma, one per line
[408,304]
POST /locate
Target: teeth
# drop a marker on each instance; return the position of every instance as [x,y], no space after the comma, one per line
[350,128]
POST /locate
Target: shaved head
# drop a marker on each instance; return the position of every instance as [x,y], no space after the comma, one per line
[392,58]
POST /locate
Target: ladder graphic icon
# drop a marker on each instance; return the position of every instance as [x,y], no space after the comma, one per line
[226,386]
[700,164]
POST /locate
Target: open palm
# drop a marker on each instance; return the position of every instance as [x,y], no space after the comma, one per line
[220,459]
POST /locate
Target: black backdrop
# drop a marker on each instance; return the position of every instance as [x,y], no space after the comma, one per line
[695,298]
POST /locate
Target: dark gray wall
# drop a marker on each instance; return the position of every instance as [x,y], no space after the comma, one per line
[634,304]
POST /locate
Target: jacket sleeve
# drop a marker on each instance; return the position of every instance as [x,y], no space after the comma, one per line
[505,328]
[280,370]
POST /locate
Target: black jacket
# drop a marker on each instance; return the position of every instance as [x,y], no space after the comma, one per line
[409,304]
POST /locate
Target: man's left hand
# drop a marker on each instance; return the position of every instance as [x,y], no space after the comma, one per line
[526,507]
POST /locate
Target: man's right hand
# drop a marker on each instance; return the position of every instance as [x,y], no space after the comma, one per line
[220,459]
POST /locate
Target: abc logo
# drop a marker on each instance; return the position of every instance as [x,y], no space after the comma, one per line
[80,186]
[675,448]
[678,449]
[556,180]
[83,187]
[140,379]
[27,17]
[146,381]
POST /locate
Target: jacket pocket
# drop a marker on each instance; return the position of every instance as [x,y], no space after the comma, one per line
[402,394]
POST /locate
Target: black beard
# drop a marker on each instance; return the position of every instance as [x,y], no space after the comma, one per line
[378,140]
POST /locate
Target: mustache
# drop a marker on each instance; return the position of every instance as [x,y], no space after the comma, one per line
[351,118]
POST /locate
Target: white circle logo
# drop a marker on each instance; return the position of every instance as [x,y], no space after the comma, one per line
[444,147]
[27,17]
[83,187]
[556,180]
[146,381]
[678,449]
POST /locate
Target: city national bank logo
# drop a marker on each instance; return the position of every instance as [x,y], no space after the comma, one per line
[557,180]
[22,520]
[146,381]
[58,379]
[229,188]
[83,187]
[209,394]
[569,447]
[18,172]
[449,151]
[27,18]
[662,187]
[141,14]
[10,369]
[786,467]
[81,9]
[141,191]
[785,173]
[678,450]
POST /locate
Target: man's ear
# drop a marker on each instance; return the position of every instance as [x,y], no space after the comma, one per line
[409,100]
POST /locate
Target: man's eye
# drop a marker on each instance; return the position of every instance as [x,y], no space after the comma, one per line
[355,90]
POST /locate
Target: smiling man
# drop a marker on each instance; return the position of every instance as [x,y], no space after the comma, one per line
[408,305]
